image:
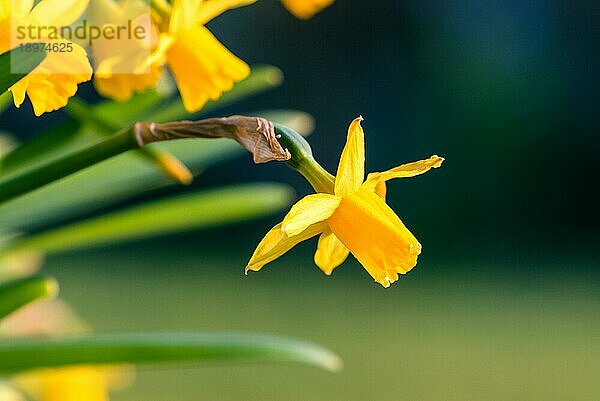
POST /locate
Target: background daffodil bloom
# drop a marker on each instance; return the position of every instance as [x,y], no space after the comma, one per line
[50,85]
[121,66]
[305,9]
[202,67]
[354,219]
[73,383]
[81,383]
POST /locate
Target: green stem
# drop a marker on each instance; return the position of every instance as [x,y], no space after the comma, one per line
[19,355]
[162,159]
[303,160]
[30,179]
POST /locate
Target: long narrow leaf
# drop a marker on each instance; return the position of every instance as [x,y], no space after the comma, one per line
[154,105]
[18,293]
[17,63]
[186,212]
[20,355]
[124,176]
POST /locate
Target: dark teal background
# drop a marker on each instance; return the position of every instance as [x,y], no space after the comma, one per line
[504,302]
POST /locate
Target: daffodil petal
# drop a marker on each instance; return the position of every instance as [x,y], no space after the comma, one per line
[305,9]
[373,233]
[51,84]
[203,68]
[277,242]
[59,13]
[213,8]
[184,14]
[65,384]
[331,252]
[376,181]
[122,86]
[309,210]
[351,170]
[18,7]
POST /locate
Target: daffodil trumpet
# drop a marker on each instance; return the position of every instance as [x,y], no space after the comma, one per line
[348,213]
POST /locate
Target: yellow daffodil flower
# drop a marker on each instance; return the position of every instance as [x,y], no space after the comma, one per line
[121,66]
[305,9]
[202,67]
[55,80]
[353,219]
[80,383]
[73,383]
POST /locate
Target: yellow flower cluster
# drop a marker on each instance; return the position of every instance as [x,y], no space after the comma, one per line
[50,85]
[202,67]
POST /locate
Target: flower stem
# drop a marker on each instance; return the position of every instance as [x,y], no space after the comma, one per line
[35,177]
[303,161]
[162,159]
[162,7]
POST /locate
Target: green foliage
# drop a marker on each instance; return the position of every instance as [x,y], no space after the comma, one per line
[20,61]
[20,355]
[204,209]
[18,293]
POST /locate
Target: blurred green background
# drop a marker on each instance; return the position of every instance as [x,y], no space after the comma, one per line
[504,304]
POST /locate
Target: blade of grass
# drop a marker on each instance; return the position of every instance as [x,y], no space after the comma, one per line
[185,212]
[18,293]
[20,355]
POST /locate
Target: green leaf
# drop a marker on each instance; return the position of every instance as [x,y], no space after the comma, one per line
[18,293]
[185,212]
[153,105]
[20,355]
[124,176]
[20,61]
[59,140]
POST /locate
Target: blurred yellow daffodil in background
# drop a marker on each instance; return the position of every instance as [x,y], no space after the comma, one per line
[50,85]
[305,9]
[354,218]
[121,66]
[81,383]
[202,67]
[76,383]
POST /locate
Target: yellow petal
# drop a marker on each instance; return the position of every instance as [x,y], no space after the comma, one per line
[277,242]
[203,68]
[376,181]
[184,15]
[351,170]
[330,252]
[122,86]
[309,210]
[305,9]
[59,13]
[9,393]
[80,383]
[51,84]
[375,236]
[213,8]
[15,7]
